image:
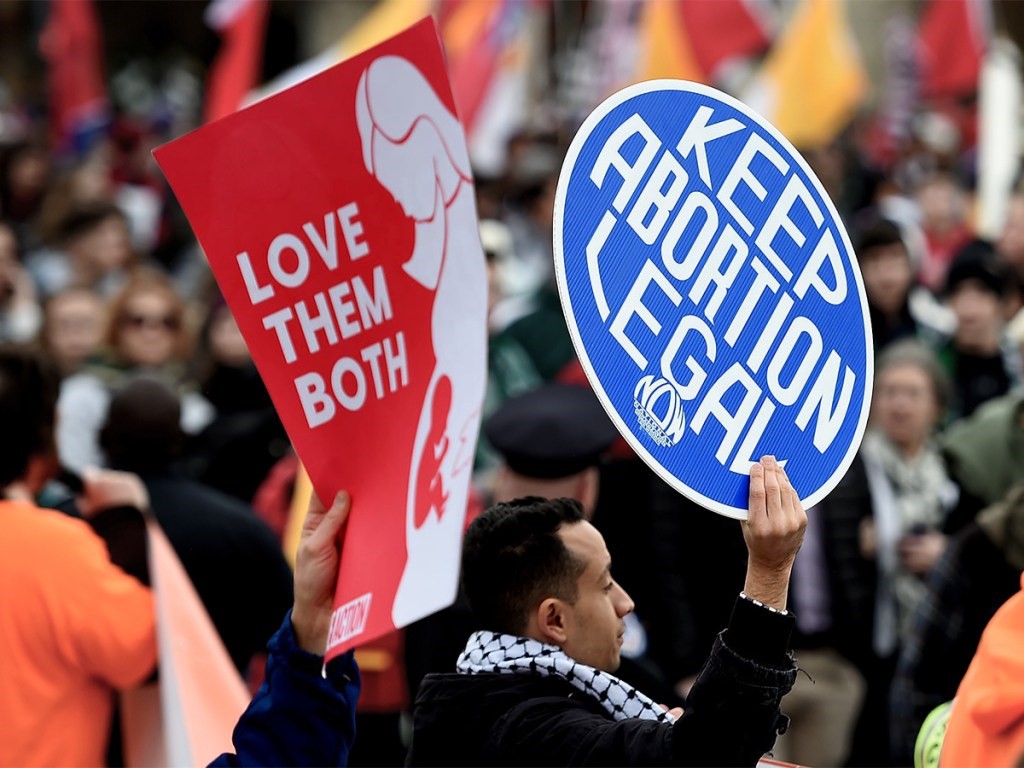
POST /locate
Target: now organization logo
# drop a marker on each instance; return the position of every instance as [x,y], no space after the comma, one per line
[659,409]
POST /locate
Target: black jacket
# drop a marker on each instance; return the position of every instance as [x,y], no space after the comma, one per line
[231,556]
[732,713]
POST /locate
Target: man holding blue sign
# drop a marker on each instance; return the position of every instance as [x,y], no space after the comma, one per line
[535,685]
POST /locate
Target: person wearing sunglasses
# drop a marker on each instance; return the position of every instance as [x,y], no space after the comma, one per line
[146,336]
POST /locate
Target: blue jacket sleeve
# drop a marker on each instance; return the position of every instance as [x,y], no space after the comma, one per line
[299,716]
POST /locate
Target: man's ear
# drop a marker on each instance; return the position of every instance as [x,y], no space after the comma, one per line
[551,619]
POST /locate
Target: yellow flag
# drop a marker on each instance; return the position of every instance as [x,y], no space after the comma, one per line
[812,81]
[466,24]
[387,18]
[665,45]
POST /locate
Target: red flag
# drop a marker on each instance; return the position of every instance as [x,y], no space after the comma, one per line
[242,25]
[721,31]
[693,39]
[952,37]
[72,45]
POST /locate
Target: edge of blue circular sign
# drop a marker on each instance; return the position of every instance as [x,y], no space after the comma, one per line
[569,164]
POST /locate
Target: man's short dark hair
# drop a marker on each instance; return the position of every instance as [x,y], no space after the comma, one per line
[28,402]
[513,558]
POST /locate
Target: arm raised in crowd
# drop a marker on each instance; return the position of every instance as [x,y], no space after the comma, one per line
[304,713]
[750,668]
[774,531]
[732,713]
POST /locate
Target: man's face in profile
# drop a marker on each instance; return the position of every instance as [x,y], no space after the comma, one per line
[594,623]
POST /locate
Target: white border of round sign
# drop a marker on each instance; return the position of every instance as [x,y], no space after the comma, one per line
[568,166]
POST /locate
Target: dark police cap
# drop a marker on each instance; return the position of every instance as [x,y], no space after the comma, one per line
[555,431]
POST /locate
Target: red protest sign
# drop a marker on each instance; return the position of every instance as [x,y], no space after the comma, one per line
[338,218]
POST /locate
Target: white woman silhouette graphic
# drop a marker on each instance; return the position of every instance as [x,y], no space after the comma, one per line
[415,148]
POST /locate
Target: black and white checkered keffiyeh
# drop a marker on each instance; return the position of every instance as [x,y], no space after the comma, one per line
[509,654]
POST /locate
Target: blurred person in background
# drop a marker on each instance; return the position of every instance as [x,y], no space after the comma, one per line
[510,371]
[531,315]
[24,179]
[87,182]
[943,204]
[73,625]
[1010,245]
[532,182]
[986,721]
[20,314]
[985,456]
[551,440]
[1010,252]
[911,495]
[139,188]
[93,250]
[107,174]
[977,359]
[230,555]
[146,334]
[1015,336]
[851,183]
[236,451]
[888,272]
[980,570]
[73,325]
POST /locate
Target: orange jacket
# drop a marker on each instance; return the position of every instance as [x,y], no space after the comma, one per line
[986,723]
[73,626]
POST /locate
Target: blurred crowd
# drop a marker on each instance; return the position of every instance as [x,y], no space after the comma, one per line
[902,566]
[904,563]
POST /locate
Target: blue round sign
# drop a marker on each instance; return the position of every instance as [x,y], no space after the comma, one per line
[712,294]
